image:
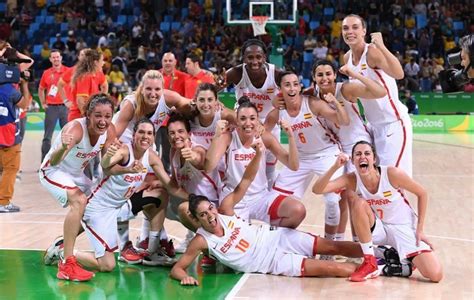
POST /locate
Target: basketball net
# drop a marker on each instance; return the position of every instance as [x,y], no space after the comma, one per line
[258,25]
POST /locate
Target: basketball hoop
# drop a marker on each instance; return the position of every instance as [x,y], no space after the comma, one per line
[258,25]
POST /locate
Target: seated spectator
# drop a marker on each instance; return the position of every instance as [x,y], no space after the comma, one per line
[321,51]
[59,44]
[117,78]
[310,43]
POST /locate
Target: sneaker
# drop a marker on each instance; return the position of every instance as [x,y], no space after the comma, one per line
[71,270]
[354,260]
[130,255]
[207,262]
[55,252]
[9,208]
[400,270]
[326,257]
[367,270]
[158,259]
[184,245]
[168,247]
[143,245]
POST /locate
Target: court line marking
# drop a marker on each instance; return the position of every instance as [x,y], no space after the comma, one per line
[237,287]
[444,144]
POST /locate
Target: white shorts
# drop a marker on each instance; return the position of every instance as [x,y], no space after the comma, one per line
[295,183]
[58,182]
[293,248]
[394,144]
[270,158]
[100,225]
[401,237]
[125,212]
[262,206]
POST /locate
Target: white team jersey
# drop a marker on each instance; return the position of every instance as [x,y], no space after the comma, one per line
[237,157]
[383,110]
[311,135]
[388,203]
[79,156]
[113,191]
[203,135]
[196,181]
[158,117]
[356,130]
[244,247]
[262,97]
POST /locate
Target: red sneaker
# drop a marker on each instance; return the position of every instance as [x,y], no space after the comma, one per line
[71,270]
[143,244]
[207,262]
[168,247]
[367,270]
[130,255]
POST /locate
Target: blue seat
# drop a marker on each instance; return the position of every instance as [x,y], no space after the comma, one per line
[314,24]
[307,56]
[37,49]
[122,19]
[176,26]
[3,7]
[306,18]
[421,21]
[168,18]
[49,19]
[328,11]
[34,26]
[165,26]
[64,27]
[306,82]
[218,39]
[184,13]
[458,25]
[40,19]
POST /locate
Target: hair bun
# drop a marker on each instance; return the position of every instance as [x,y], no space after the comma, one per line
[243,99]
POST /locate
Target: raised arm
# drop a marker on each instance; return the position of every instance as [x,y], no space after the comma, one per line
[195,155]
[159,170]
[182,104]
[231,200]
[271,120]
[324,185]
[70,136]
[369,89]
[288,158]
[178,272]
[379,57]
[125,115]
[219,144]
[321,108]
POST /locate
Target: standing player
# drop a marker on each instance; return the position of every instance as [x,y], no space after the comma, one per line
[316,146]
[388,117]
[62,173]
[50,99]
[257,248]
[381,214]
[258,203]
[255,79]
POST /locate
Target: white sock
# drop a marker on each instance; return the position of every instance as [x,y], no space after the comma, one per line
[163,235]
[355,238]
[153,241]
[122,230]
[329,236]
[145,229]
[367,248]
[339,236]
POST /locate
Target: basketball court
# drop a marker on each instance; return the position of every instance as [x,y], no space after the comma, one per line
[443,163]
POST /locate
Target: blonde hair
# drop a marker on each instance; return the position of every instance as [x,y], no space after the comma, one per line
[140,99]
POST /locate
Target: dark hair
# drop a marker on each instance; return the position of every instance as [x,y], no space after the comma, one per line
[97,99]
[323,62]
[177,117]
[283,74]
[143,121]
[253,42]
[54,51]
[194,58]
[244,102]
[467,44]
[194,201]
[365,143]
[206,87]
[362,21]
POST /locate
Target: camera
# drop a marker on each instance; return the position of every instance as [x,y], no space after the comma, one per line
[454,79]
[9,69]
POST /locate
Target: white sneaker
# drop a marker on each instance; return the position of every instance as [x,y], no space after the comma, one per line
[55,252]
[326,257]
[10,207]
[184,245]
[355,260]
[158,259]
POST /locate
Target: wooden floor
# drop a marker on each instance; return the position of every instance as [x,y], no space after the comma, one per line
[444,164]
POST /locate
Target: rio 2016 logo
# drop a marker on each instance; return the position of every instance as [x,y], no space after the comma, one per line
[427,123]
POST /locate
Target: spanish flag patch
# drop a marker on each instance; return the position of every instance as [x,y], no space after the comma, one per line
[270,90]
[308,116]
[162,114]
[364,66]
[387,194]
[230,225]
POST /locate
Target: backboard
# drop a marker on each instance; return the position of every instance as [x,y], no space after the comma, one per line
[278,11]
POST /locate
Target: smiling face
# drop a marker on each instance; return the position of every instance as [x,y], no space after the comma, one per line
[465,62]
[363,158]
[169,63]
[254,58]
[324,77]
[55,58]
[290,86]
[99,119]
[144,136]
[178,135]
[206,214]
[247,121]
[353,31]
[206,103]
[152,91]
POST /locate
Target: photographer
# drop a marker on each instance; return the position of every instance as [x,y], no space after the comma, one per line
[462,62]
[467,54]
[11,101]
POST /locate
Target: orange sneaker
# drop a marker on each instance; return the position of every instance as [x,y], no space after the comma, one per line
[130,255]
[71,270]
[367,270]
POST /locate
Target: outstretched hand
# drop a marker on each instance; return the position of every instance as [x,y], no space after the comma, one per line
[341,160]
[221,79]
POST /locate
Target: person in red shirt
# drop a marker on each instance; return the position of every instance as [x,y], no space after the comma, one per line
[50,99]
[174,79]
[196,75]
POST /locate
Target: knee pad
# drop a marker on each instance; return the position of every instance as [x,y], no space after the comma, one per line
[332,214]
[138,202]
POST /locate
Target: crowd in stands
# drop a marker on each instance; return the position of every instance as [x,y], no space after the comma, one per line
[134,34]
